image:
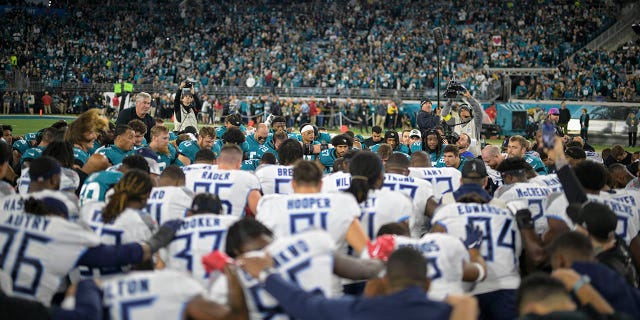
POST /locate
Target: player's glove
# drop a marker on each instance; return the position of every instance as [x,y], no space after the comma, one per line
[524,219]
[164,235]
[382,247]
[216,261]
[474,236]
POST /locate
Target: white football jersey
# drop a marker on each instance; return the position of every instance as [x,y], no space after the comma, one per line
[550,181]
[384,206]
[130,226]
[231,186]
[419,190]
[275,179]
[69,181]
[628,196]
[290,214]
[193,172]
[532,195]
[14,203]
[443,180]
[625,206]
[305,259]
[168,203]
[445,256]
[628,216]
[38,251]
[337,181]
[495,176]
[501,244]
[161,294]
[197,237]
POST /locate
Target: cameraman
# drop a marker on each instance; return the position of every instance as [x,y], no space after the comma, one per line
[186,106]
[469,121]
[427,119]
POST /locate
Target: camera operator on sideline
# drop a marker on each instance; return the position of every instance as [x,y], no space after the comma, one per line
[470,116]
[186,106]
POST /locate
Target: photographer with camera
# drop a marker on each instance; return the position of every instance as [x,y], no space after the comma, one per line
[186,106]
[469,115]
[427,118]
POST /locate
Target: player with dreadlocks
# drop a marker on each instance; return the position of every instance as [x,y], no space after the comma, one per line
[122,220]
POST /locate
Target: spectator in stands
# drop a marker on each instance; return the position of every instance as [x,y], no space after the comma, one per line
[369,65]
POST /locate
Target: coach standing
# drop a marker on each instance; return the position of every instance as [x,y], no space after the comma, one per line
[427,118]
[140,112]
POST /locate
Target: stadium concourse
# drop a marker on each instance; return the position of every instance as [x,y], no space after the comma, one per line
[252,215]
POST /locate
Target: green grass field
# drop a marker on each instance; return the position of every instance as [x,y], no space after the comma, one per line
[23,124]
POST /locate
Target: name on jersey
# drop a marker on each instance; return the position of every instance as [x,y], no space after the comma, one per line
[27,221]
[343,182]
[285,172]
[13,205]
[617,207]
[480,208]
[433,172]
[289,253]
[626,199]
[532,192]
[552,181]
[157,195]
[200,222]
[424,247]
[369,203]
[399,179]
[215,175]
[124,288]
[306,203]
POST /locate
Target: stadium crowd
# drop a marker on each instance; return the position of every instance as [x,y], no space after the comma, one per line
[241,221]
[339,44]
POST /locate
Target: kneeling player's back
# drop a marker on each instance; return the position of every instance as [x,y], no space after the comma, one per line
[501,245]
[168,203]
[305,259]
[39,251]
[232,186]
[445,256]
[290,214]
[130,226]
[149,295]
[198,236]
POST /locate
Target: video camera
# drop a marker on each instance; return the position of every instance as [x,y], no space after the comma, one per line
[452,137]
[453,89]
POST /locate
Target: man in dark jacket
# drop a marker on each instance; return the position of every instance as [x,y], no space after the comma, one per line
[139,112]
[427,118]
[565,116]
